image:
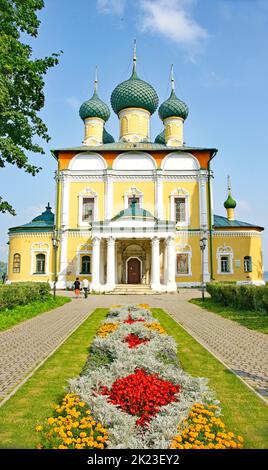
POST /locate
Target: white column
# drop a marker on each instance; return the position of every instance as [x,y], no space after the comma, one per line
[159,197]
[108,198]
[61,284]
[95,283]
[170,275]
[110,284]
[204,222]
[155,264]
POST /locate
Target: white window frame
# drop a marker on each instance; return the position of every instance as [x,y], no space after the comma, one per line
[83,250]
[133,192]
[225,251]
[179,193]
[38,249]
[87,193]
[184,250]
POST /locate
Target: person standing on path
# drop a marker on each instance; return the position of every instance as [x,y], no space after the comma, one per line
[77,287]
[85,285]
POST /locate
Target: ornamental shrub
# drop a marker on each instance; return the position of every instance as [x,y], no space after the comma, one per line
[243,297]
[23,293]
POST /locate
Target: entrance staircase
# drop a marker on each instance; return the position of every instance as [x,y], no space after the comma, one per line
[132,289]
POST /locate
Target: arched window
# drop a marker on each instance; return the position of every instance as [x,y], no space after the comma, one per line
[85,268]
[16,263]
[247,264]
[40,264]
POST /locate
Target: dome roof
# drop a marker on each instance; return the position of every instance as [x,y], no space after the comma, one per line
[134,93]
[94,107]
[230,203]
[160,138]
[106,137]
[173,106]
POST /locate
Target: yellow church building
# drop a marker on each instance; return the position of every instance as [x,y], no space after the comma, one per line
[132,215]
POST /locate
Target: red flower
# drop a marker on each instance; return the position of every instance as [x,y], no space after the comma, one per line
[141,394]
[130,320]
[133,340]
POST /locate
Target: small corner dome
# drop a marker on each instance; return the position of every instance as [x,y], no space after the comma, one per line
[160,138]
[134,93]
[173,106]
[94,107]
[46,216]
[230,203]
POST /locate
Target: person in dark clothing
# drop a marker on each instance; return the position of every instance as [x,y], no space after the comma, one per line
[77,287]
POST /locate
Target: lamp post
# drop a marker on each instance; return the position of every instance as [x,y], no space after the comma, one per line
[203,244]
[55,243]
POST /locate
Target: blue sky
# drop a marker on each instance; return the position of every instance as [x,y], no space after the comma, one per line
[219,51]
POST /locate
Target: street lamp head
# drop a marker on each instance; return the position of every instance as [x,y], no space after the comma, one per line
[203,243]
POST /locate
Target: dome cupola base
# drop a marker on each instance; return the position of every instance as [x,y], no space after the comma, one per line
[134,125]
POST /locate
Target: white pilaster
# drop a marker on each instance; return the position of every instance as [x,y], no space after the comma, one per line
[95,284]
[170,276]
[155,264]
[204,222]
[61,284]
[159,197]
[110,285]
[109,198]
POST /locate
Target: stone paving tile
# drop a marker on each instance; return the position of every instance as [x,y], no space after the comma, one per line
[24,346]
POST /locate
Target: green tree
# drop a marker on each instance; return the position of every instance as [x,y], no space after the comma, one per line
[3,268]
[21,87]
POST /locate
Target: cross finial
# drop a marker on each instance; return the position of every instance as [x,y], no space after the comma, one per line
[134,56]
[172,77]
[229,184]
[96,80]
[48,207]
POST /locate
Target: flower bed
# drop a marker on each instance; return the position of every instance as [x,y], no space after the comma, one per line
[135,389]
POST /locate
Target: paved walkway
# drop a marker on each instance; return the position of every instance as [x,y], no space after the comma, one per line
[24,347]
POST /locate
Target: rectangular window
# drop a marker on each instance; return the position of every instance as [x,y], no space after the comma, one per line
[225,264]
[16,263]
[88,210]
[247,264]
[183,263]
[40,264]
[133,200]
[180,209]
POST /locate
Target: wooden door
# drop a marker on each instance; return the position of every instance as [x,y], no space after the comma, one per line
[133,271]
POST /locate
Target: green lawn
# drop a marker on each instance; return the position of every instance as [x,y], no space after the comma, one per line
[254,320]
[243,412]
[12,316]
[32,402]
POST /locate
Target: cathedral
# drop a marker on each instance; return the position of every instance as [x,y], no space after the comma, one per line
[135,215]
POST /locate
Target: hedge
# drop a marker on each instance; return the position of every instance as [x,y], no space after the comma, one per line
[23,293]
[243,297]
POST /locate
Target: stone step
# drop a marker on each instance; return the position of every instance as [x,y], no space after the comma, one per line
[127,289]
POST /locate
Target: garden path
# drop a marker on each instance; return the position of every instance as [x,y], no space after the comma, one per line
[26,346]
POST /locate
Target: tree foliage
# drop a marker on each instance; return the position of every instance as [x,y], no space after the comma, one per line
[21,87]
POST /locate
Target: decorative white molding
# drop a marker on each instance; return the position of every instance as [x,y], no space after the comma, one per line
[87,160]
[82,250]
[134,160]
[159,197]
[40,248]
[87,192]
[133,192]
[180,161]
[224,251]
[184,250]
[179,192]
[109,198]
[65,187]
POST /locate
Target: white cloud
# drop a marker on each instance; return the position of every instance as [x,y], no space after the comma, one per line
[172,19]
[111,6]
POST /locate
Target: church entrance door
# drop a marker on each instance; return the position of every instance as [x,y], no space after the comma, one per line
[133,271]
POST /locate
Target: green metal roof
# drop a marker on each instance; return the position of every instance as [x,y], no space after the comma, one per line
[135,212]
[173,106]
[128,146]
[42,223]
[223,222]
[134,93]
[160,138]
[94,107]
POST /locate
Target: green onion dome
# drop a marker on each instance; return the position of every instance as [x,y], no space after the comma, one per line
[106,137]
[230,203]
[134,93]
[173,106]
[160,138]
[94,107]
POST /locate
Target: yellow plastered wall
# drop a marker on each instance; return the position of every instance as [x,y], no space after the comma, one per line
[76,247]
[193,189]
[147,188]
[75,189]
[192,242]
[23,246]
[241,246]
